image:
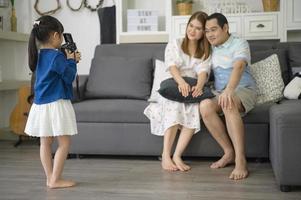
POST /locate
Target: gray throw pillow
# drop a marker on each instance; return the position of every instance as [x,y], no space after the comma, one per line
[286,71]
[120,77]
[169,90]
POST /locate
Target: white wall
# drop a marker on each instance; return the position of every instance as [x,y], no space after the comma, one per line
[83,25]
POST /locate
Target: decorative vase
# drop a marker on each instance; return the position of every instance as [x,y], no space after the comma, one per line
[13,20]
[184,8]
[270,5]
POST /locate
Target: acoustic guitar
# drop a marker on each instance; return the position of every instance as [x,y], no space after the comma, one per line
[19,114]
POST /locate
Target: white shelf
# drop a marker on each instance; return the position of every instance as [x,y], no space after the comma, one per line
[6,85]
[144,37]
[14,36]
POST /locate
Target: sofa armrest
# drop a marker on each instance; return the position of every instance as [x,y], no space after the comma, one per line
[79,95]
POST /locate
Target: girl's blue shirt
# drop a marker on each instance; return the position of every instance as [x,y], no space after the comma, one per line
[54,76]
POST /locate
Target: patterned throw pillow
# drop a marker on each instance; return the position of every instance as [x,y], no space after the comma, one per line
[267,74]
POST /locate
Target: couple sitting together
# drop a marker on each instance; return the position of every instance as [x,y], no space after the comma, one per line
[207,47]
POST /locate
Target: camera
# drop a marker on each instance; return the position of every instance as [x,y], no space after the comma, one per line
[69,44]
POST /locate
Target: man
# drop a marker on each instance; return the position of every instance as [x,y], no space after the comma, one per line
[235,94]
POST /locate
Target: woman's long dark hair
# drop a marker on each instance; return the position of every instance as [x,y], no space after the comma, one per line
[203,49]
[40,32]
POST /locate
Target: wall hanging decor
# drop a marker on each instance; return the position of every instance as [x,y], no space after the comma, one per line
[50,12]
[75,9]
[93,9]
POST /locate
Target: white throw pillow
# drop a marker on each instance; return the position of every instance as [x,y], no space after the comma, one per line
[267,74]
[160,75]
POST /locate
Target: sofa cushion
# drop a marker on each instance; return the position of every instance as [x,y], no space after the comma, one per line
[260,114]
[294,54]
[111,110]
[286,72]
[267,75]
[120,77]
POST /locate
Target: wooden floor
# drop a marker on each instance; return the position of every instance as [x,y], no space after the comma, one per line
[22,177]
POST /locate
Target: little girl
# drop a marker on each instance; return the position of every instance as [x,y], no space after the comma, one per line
[51,115]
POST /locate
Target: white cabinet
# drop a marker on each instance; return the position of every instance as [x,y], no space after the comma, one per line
[263,26]
[293,14]
[235,25]
[291,20]
[249,26]
[179,24]
[283,24]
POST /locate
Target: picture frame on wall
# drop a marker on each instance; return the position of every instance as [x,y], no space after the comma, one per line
[4,3]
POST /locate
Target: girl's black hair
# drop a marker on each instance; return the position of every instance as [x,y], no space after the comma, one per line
[41,31]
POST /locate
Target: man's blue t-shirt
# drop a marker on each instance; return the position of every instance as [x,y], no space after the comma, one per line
[54,76]
[223,57]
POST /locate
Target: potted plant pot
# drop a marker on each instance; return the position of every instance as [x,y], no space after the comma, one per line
[184,7]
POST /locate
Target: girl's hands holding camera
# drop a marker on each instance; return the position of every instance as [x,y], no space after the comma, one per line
[73,55]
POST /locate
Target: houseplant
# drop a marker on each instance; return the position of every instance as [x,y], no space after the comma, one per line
[270,5]
[184,7]
[13,17]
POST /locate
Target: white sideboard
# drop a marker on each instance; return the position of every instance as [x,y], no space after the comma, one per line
[251,26]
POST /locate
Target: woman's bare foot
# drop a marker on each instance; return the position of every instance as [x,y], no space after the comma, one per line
[240,171]
[168,164]
[228,158]
[61,184]
[180,164]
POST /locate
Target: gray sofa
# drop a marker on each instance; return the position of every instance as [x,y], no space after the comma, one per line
[109,109]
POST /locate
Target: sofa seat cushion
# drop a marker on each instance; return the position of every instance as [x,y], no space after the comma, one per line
[260,114]
[111,110]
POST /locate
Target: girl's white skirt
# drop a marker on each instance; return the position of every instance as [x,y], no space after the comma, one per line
[51,119]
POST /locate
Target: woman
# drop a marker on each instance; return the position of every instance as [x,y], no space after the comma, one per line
[190,57]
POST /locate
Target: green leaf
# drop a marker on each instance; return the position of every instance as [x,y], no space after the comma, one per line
[12,3]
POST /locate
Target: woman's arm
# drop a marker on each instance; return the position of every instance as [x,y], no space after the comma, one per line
[197,90]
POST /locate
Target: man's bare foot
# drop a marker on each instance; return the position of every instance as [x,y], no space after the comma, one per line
[168,164]
[180,164]
[228,158]
[61,184]
[240,171]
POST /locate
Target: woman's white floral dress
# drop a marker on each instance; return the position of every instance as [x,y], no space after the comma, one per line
[164,113]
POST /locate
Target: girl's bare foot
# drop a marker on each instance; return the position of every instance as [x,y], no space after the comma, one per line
[180,164]
[61,184]
[48,182]
[240,171]
[168,164]
[228,158]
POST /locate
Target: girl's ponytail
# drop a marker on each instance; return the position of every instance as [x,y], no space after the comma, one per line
[32,51]
[41,31]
